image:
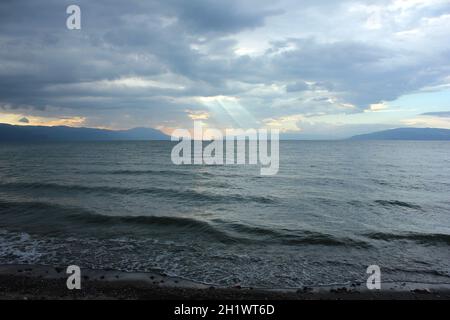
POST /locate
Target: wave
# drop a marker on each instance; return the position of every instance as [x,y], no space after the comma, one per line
[290,237]
[397,203]
[190,172]
[52,219]
[433,272]
[423,238]
[181,194]
[151,172]
[389,204]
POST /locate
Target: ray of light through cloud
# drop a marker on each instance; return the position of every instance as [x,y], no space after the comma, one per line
[304,67]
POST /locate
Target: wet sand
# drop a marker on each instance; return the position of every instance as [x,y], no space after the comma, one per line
[45,282]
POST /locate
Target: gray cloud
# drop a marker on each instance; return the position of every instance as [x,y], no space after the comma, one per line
[442,114]
[297,86]
[363,73]
[180,50]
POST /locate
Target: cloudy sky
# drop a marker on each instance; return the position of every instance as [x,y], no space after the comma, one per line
[311,68]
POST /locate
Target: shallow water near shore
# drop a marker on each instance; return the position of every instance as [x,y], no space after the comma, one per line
[333,209]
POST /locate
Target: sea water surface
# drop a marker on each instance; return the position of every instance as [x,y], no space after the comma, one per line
[333,209]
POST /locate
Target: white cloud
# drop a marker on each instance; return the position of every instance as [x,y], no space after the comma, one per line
[30,120]
[375,107]
[198,114]
[286,123]
[428,122]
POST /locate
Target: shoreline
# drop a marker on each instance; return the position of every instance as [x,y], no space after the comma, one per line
[37,282]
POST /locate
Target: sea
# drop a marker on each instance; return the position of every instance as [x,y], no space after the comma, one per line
[333,209]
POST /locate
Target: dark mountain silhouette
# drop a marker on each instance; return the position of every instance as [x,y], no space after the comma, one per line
[62,133]
[406,134]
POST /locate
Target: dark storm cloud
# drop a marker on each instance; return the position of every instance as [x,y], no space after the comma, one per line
[117,39]
[205,17]
[177,50]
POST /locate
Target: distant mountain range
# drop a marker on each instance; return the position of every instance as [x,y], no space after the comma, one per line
[406,134]
[62,133]
[41,133]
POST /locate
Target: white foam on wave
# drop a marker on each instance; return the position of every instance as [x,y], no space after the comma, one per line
[18,247]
